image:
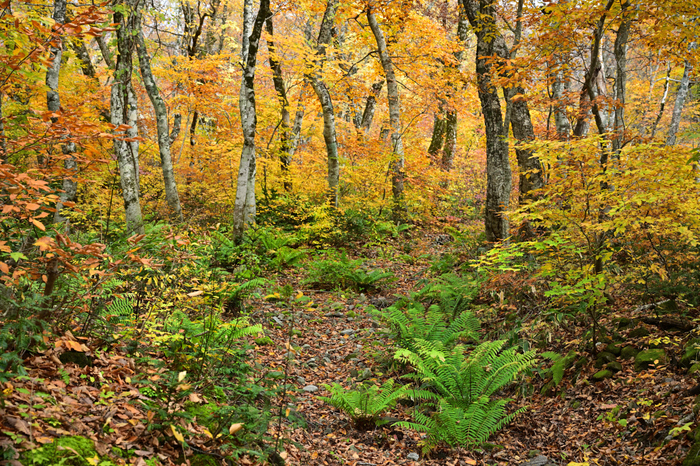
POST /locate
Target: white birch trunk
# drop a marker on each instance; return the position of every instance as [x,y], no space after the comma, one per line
[53,103]
[244,204]
[161,112]
[681,95]
[120,112]
[397,164]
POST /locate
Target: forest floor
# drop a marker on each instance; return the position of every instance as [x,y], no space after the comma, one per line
[632,418]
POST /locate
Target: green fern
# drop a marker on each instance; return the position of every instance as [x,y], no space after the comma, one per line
[235,296]
[120,310]
[456,426]
[415,323]
[365,405]
[465,383]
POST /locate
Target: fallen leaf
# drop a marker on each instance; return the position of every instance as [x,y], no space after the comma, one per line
[235,428]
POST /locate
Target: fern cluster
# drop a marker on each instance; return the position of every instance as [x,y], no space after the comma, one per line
[415,323]
[367,403]
[435,331]
[465,382]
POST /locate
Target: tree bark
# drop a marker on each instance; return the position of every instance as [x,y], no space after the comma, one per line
[437,140]
[285,121]
[324,97]
[681,95]
[244,205]
[162,126]
[662,104]
[120,115]
[621,40]
[53,103]
[588,91]
[481,15]
[370,107]
[392,89]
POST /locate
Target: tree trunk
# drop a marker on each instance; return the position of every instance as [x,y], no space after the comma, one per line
[298,120]
[285,130]
[3,138]
[450,146]
[621,40]
[681,95]
[162,126]
[437,140]
[370,107]
[561,121]
[126,158]
[588,91]
[662,104]
[324,97]
[53,103]
[531,174]
[244,205]
[481,15]
[392,88]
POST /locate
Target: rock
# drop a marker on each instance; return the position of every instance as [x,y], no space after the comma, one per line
[301,380]
[351,356]
[263,341]
[347,331]
[645,358]
[76,357]
[335,314]
[628,352]
[624,323]
[310,388]
[582,361]
[691,353]
[277,320]
[614,366]
[602,375]
[539,460]
[576,405]
[614,349]
[365,374]
[603,358]
[639,333]
[413,456]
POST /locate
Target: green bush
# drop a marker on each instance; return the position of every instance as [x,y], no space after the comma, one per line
[343,273]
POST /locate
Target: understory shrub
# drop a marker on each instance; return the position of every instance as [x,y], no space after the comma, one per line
[340,272]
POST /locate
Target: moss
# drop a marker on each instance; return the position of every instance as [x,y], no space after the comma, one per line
[693,457]
[603,358]
[203,460]
[646,358]
[639,333]
[628,352]
[73,451]
[602,375]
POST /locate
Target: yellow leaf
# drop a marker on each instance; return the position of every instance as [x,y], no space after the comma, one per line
[207,433]
[181,376]
[235,428]
[177,434]
[94,460]
[195,293]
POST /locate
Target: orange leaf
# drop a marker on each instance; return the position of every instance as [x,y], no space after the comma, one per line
[4,268]
[32,206]
[38,224]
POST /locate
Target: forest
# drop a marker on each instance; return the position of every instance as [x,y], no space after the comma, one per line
[349,232]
